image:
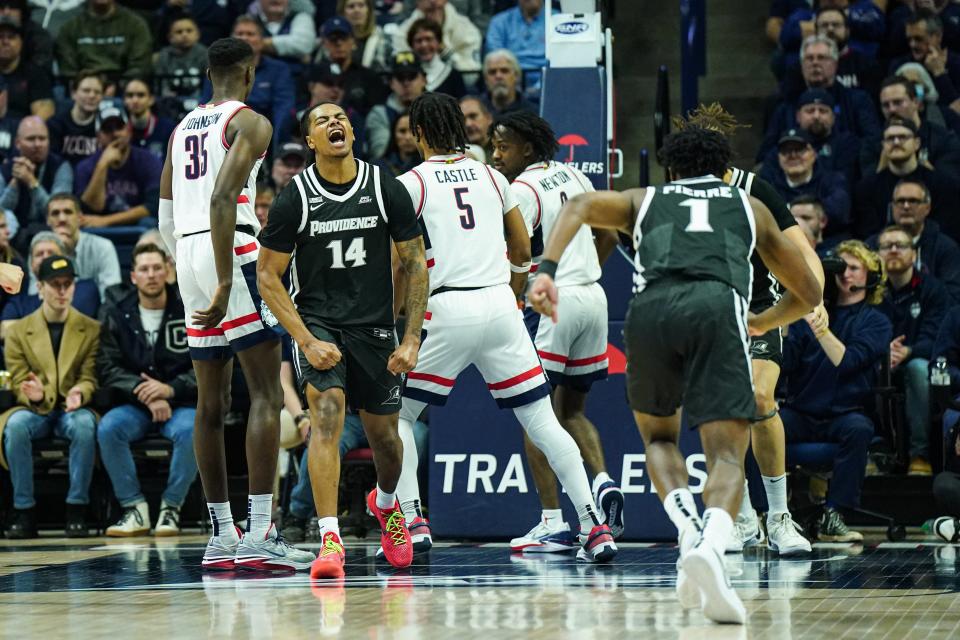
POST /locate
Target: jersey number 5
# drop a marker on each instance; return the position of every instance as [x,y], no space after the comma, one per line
[196,148]
[355,253]
[699,215]
[466,220]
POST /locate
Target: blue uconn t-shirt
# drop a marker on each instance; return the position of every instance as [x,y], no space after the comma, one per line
[127,186]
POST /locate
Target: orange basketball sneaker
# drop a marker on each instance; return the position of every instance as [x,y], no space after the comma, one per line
[394,535]
[329,562]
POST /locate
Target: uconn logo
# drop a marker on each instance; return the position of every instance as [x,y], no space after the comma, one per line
[571,28]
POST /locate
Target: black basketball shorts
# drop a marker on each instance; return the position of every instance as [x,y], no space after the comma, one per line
[768,347]
[687,345]
[362,370]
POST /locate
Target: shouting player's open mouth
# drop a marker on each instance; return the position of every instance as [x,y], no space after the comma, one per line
[337,137]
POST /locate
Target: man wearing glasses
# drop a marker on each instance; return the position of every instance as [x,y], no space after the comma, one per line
[899,160]
[916,304]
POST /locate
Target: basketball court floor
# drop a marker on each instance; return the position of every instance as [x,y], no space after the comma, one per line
[152,588]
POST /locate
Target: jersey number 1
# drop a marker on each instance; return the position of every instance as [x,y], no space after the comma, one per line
[355,253]
[196,148]
[699,215]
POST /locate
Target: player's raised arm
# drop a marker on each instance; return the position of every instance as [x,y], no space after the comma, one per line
[599,209]
[251,134]
[785,261]
[518,250]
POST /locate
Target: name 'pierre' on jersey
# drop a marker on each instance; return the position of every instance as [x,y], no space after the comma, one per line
[201,122]
[345,224]
[715,192]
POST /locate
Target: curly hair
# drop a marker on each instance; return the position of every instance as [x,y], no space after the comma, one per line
[531,128]
[695,151]
[440,121]
[713,117]
[872,262]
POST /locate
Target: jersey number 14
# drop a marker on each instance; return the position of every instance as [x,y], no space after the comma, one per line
[355,254]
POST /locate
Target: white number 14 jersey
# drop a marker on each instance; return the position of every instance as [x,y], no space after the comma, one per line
[542,189]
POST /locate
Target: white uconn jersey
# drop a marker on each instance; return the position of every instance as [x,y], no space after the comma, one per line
[198,150]
[461,203]
[542,189]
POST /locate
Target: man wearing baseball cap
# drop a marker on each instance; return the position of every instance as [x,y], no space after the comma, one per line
[407,83]
[51,357]
[291,159]
[119,184]
[362,88]
[798,173]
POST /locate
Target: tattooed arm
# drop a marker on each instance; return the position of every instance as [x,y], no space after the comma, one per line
[413,259]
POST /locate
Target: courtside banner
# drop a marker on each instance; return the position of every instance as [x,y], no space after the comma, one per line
[574,103]
[481,487]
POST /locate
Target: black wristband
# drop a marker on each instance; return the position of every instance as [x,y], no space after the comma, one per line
[548,267]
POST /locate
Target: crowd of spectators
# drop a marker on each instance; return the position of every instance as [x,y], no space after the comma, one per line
[90,92]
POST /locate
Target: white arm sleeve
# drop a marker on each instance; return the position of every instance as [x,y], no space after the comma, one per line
[166,226]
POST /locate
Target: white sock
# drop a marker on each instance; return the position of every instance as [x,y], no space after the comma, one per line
[329,524]
[599,479]
[544,430]
[776,490]
[717,527]
[222,520]
[408,486]
[259,514]
[385,500]
[683,513]
[552,517]
[746,507]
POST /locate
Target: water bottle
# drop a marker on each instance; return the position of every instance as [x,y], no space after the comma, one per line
[940,375]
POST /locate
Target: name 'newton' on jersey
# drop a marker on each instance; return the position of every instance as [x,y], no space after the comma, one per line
[542,189]
[198,151]
[461,203]
[695,229]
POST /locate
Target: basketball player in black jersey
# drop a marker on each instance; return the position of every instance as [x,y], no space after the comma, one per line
[336,221]
[686,335]
[767,435]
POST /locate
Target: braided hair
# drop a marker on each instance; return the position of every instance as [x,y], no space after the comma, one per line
[438,119]
[713,117]
[530,128]
[695,151]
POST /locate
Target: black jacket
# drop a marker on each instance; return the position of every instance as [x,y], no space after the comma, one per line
[916,311]
[125,352]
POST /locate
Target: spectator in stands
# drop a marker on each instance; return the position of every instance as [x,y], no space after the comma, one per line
[936,254]
[939,146]
[29,86]
[866,20]
[214,18]
[93,257]
[836,150]
[144,360]
[478,120]
[288,35]
[829,363]
[51,15]
[73,134]
[855,69]
[291,159]
[402,154]
[8,124]
[116,292]
[915,304]
[462,40]
[855,110]
[31,176]
[501,75]
[522,30]
[273,93]
[261,205]
[182,63]
[407,83]
[924,31]
[873,194]
[810,216]
[798,172]
[86,296]
[928,96]
[105,38]
[362,87]
[51,357]
[147,130]
[373,48]
[120,183]
[37,42]
[424,38]
[325,84]
[8,257]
